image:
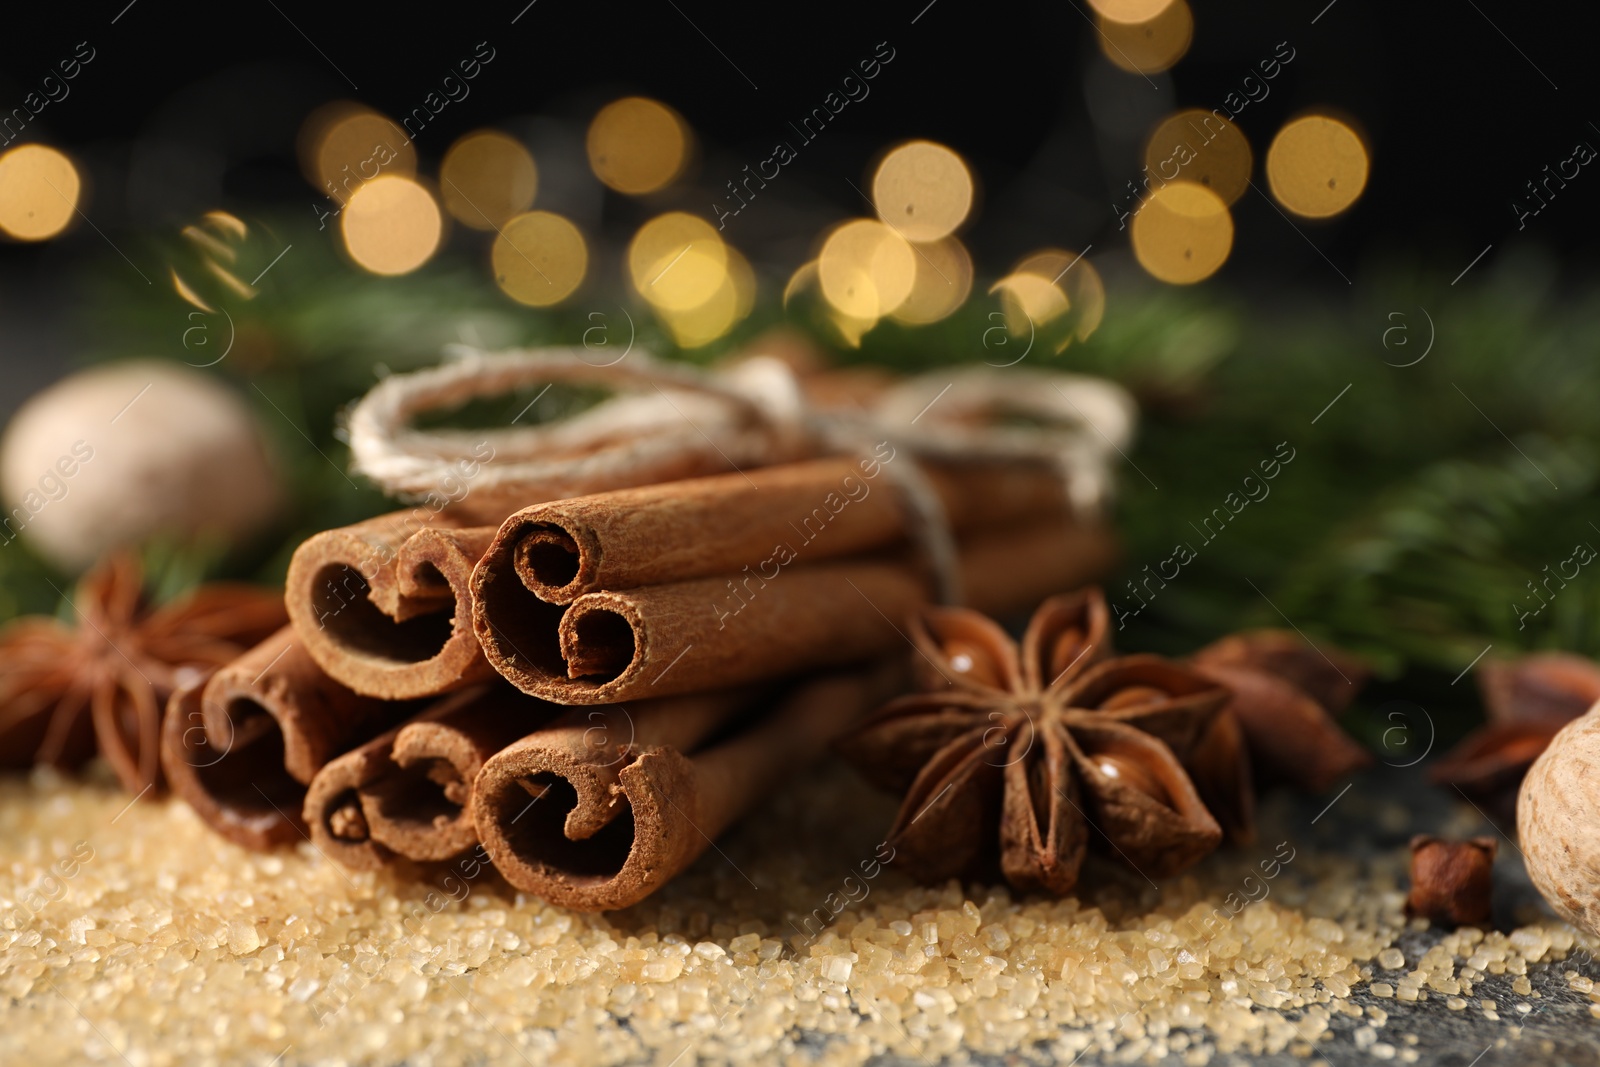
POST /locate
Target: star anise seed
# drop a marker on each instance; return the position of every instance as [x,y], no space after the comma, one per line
[1018,764]
[64,690]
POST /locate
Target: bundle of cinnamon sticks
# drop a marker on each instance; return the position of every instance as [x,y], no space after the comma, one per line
[596,687]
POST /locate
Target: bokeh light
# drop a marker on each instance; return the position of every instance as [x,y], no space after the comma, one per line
[186,291]
[391,225]
[539,258]
[712,319]
[866,269]
[1182,234]
[923,190]
[637,145]
[1130,11]
[1151,45]
[941,284]
[1077,278]
[486,178]
[39,190]
[677,261]
[216,242]
[803,280]
[1055,293]
[1317,166]
[804,293]
[344,144]
[1199,146]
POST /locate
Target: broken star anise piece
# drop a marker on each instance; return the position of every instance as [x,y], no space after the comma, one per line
[1285,694]
[1529,700]
[1014,755]
[64,690]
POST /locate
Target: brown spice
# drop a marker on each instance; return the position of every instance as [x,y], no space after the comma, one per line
[1528,700]
[1452,881]
[105,682]
[1008,752]
[1285,694]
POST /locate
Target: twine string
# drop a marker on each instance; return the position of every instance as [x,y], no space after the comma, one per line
[666,421]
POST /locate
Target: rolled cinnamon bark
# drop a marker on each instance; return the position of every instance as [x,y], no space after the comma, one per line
[405,793]
[1013,570]
[684,637]
[817,510]
[680,637]
[241,748]
[385,606]
[602,826]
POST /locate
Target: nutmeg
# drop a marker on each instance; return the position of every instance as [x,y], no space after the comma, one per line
[1452,882]
[1556,821]
[116,454]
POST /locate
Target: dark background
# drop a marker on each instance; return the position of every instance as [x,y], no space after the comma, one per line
[188,106]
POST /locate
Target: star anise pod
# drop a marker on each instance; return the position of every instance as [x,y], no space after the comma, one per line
[104,682]
[1285,695]
[1528,700]
[1016,755]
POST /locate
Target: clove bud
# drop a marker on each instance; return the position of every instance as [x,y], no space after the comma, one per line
[1452,881]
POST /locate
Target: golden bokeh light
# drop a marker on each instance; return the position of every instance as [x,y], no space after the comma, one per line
[1130,11]
[1072,276]
[1053,294]
[1151,45]
[539,258]
[39,190]
[1199,146]
[344,144]
[725,309]
[1182,234]
[1317,166]
[803,280]
[923,190]
[805,286]
[486,178]
[677,261]
[186,291]
[941,284]
[391,225]
[215,241]
[230,226]
[637,145]
[866,269]
[1029,301]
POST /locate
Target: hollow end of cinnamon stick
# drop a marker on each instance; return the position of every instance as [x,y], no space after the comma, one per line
[517,631]
[600,830]
[555,563]
[419,808]
[332,809]
[385,607]
[241,791]
[598,640]
[573,834]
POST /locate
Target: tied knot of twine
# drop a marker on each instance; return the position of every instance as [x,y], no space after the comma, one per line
[666,421]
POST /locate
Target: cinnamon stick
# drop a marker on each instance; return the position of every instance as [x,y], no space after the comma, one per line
[241,748]
[602,826]
[817,510]
[405,793]
[680,637]
[385,606]
[1012,570]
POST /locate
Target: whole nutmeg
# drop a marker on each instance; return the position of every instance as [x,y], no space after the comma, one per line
[1452,882]
[1557,821]
[116,454]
